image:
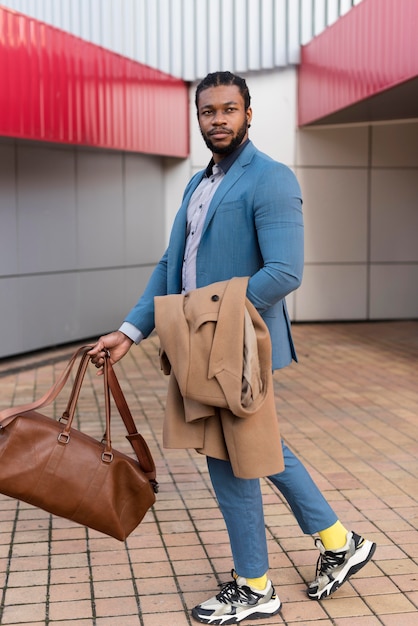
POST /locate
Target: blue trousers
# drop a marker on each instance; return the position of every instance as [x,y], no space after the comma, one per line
[240,501]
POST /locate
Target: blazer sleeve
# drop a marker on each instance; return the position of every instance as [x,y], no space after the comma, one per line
[279,226]
[142,314]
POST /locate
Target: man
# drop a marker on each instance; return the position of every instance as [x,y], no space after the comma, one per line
[242,216]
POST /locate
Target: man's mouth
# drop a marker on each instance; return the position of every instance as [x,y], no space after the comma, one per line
[219,133]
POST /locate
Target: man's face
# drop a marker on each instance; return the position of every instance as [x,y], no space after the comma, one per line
[223,119]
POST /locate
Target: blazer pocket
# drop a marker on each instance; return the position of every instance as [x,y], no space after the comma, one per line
[225,207]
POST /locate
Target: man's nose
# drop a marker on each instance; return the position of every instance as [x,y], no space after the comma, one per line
[219,118]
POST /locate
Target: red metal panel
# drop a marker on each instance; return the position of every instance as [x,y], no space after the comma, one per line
[59,88]
[374,47]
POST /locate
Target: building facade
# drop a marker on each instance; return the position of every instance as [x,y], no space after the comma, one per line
[84,217]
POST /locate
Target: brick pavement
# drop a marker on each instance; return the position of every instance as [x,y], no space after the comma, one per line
[348,409]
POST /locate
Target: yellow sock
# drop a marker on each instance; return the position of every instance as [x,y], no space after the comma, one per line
[334,537]
[258,583]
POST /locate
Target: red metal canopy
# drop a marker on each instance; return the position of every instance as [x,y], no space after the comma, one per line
[59,88]
[364,67]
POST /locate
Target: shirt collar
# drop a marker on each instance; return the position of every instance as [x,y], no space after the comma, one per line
[228,161]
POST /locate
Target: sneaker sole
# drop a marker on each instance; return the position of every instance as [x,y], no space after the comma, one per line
[226,620]
[344,575]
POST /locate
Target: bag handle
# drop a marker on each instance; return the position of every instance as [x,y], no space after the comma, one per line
[8,415]
[76,388]
[68,415]
[111,383]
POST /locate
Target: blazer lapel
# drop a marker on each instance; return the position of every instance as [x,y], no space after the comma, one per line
[234,174]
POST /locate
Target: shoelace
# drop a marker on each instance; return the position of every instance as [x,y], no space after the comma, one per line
[231,592]
[328,560]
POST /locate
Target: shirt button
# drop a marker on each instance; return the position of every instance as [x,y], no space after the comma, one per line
[215,298]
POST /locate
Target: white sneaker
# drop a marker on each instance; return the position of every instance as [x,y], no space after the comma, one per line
[237,601]
[334,567]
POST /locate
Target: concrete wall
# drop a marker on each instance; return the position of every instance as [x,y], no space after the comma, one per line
[360,186]
[80,233]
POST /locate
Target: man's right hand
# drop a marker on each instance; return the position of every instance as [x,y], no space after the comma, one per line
[116,343]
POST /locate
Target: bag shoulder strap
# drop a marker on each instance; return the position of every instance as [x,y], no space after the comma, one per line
[8,415]
[136,440]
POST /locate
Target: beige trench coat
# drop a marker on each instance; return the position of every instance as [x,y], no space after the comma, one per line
[220,401]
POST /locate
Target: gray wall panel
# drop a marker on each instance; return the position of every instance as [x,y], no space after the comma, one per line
[8,214]
[46,305]
[360,189]
[46,209]
[80,233]
[101,301]
[393,291]
[101,241]
[10,317]
[145,215]
[394,216]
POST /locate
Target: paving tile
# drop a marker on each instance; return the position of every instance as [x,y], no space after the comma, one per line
[348,409]
[71,575]
[110,572]
[28,579]
[25,564]
[399,619]
[161,603]
[399,566]
[407,582]
[70,610]
[391,603]
[338,606]
[73,622]
[375,585]
[114,620]
[413,597]
[162,619]
[156,586]
[23,614]
[107,607]
[23,595]
[369,620]
[303,611]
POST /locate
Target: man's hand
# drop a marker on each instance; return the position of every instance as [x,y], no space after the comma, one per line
[116,343]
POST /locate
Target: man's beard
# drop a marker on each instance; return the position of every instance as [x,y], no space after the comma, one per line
[236,141]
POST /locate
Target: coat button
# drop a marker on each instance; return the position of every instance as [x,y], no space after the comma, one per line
[215,298]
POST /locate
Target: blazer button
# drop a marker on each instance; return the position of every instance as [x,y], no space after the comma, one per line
[215,298]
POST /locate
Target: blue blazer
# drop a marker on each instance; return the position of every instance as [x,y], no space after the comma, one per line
[254,227]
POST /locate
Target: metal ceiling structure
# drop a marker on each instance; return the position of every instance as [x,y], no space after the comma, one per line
[363,68]
[59,88]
